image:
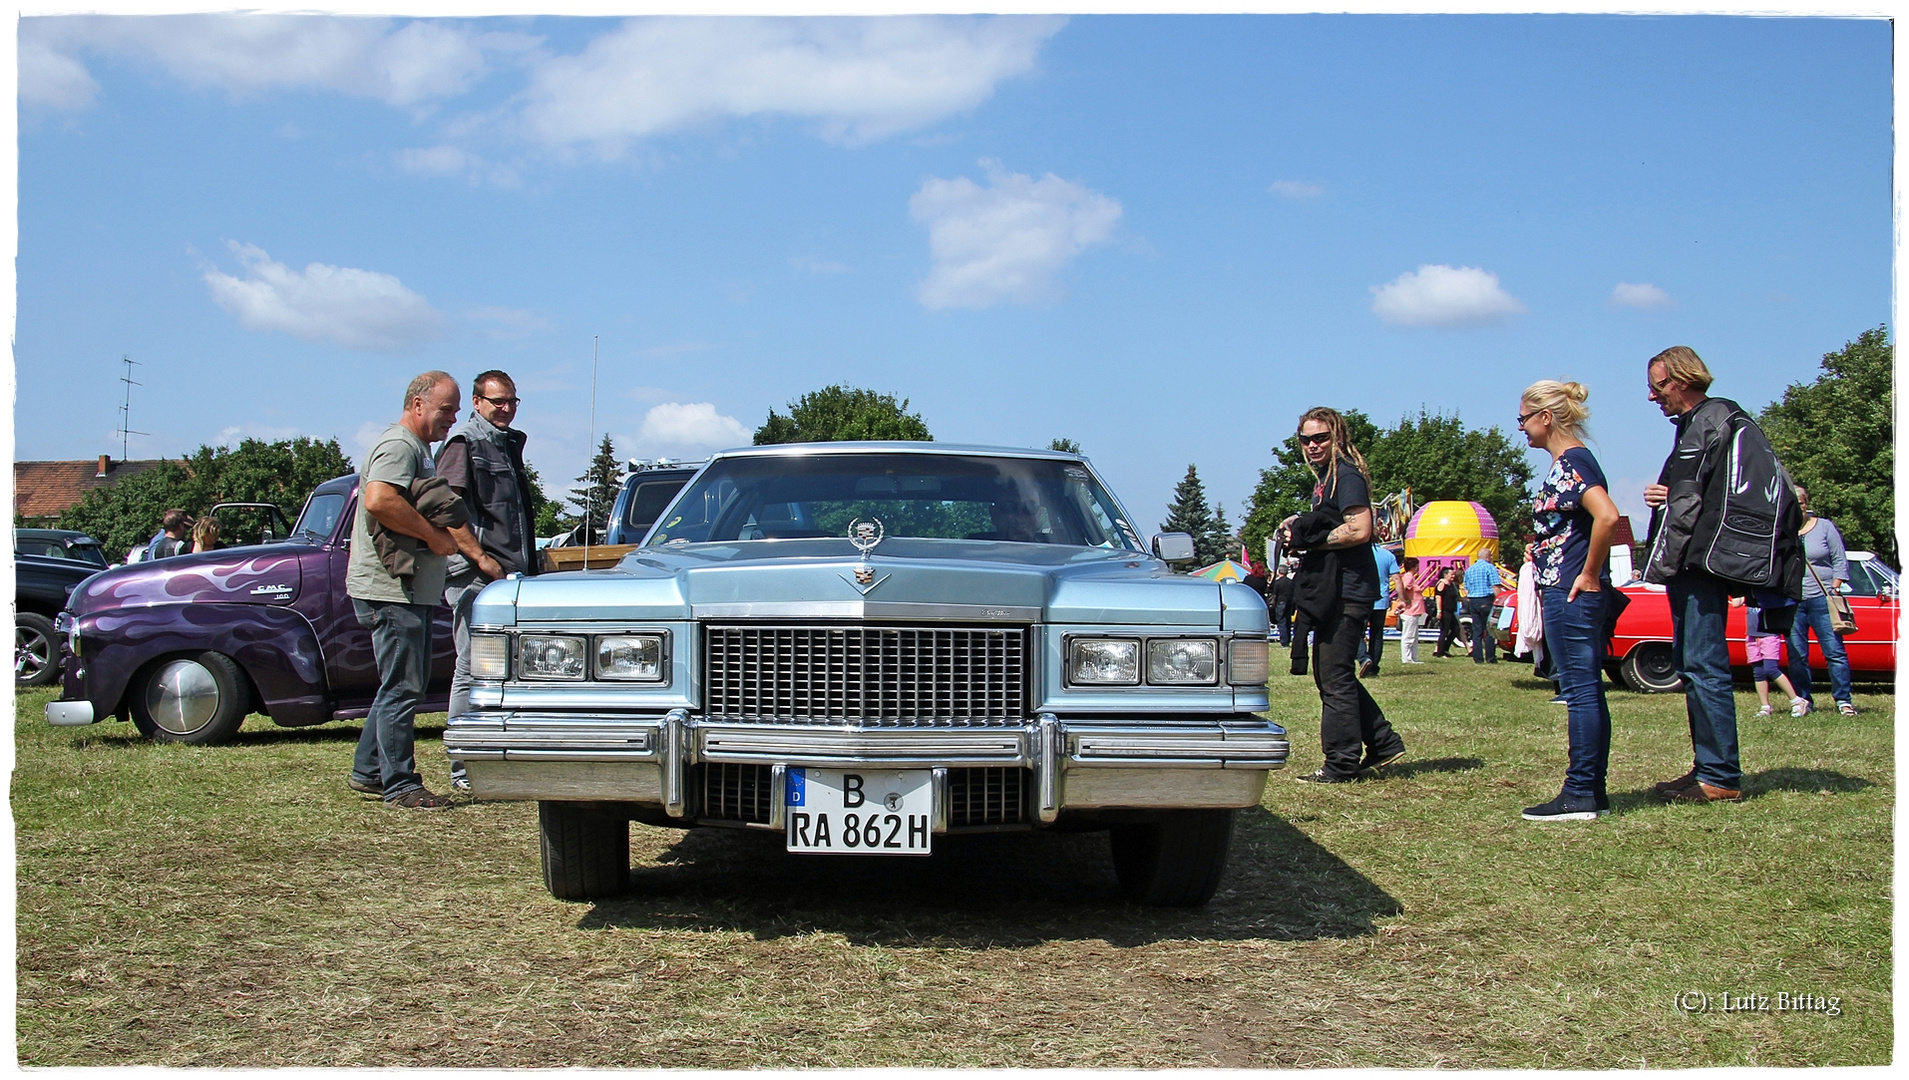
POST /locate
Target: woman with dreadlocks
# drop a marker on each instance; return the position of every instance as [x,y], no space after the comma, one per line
[1337,585]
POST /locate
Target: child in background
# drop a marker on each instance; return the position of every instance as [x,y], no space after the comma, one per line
[1764,650]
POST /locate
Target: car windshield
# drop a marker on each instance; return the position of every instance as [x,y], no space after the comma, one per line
[942,496]
[320,516]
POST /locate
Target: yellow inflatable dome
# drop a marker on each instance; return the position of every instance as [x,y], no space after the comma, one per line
[1450,532]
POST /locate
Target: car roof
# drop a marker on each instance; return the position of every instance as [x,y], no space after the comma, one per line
[926,449]
[69,535]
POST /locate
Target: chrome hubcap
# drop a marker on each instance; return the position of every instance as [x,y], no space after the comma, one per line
[182,697]
[32,652]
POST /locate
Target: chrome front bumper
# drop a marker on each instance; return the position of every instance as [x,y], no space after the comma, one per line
[70,713]
[1076,763]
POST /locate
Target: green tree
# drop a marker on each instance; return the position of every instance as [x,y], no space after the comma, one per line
[1188,513]
[1836,436]
[840,414]
[1433,454]
[598,487]
[1065,446]
[1220,541]
[282,472]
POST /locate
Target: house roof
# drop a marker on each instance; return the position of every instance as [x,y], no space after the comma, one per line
[43,489]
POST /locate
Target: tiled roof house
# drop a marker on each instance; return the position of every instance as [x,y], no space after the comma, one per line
[42,489]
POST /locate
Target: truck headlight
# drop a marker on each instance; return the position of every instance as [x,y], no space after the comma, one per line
[1248,662]
[1183,662]
[1103,662]
[550,656]
[490,656]
[632,657]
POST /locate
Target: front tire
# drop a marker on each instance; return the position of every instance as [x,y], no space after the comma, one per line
[36,650]
[1176,861]
[1651,669]
[586,852]
[199,700]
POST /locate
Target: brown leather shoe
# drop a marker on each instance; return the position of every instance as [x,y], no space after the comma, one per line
[1667,788]
[1701,792]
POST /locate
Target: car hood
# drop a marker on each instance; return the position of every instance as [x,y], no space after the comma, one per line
[905,578]
[260,574]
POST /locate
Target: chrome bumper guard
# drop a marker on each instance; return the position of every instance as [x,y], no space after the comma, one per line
[70,713]
[1049,746]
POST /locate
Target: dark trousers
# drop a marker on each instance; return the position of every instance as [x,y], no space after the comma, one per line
[401,642]
[1484,645]
[1283,622]
[1348,717]
[1374,650]
[1447,628]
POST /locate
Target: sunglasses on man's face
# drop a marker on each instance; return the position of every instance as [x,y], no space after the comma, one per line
[503,402]
[1315,440]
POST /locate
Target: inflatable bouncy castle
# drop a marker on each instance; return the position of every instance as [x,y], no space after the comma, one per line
[1450,533]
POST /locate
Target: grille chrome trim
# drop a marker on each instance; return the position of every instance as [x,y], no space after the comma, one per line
[987,796]
[866,676]
[732,792]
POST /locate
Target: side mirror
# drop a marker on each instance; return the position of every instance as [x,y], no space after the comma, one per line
[1887,592]
[1174,547]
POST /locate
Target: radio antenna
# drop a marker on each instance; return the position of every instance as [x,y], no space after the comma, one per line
[126,409]
[590,484]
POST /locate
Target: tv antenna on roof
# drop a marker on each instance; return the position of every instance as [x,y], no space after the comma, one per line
[126,409]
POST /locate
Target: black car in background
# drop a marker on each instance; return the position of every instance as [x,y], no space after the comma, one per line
[47,565]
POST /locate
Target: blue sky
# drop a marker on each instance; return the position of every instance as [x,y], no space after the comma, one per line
[1163,237]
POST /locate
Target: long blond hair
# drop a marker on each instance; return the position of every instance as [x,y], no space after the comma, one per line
[1342,448]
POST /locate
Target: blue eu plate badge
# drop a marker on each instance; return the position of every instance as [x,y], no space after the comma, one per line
[796,789]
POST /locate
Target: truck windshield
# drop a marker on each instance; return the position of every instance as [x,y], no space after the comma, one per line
[948,497]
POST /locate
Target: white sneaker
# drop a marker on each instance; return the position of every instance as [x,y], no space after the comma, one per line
[1799,706]
[1767,710]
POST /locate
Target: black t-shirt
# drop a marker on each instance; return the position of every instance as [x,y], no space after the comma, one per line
[1359,580]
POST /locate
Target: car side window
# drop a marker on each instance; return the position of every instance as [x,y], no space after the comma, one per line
[1860,583]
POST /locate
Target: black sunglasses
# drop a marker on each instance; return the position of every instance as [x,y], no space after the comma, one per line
[502,402]
[1315,440]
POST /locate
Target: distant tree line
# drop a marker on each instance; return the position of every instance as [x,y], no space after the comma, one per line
[1837,437]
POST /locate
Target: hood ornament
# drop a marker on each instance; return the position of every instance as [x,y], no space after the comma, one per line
[865,535]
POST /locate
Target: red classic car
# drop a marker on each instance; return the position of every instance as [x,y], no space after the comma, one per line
[1640,656]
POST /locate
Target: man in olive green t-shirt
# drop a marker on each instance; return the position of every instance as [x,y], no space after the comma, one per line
[397,610]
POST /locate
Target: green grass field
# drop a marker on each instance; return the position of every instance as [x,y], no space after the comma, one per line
[236,906]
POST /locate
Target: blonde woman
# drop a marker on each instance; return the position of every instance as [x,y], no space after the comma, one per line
[205,535]
[1573,519]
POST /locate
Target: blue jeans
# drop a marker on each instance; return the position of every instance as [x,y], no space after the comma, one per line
[1699,607]
[1484,645]
[401,642]
[461,598]
[1813,614]
[1574,642]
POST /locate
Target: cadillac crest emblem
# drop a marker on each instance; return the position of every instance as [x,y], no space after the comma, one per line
[865,535]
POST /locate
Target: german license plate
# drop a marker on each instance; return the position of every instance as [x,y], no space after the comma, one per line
[860,811]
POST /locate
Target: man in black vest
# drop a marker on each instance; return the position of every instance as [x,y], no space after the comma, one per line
[483,460]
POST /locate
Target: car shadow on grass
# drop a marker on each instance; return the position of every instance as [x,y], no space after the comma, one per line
[990,891]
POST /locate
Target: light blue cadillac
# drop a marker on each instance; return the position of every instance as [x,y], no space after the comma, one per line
[864,646]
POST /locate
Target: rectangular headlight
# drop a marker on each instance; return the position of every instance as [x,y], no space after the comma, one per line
[1183,662]
[635,657]
[550,656]
[490,656]
[1248,663]
[1103,662]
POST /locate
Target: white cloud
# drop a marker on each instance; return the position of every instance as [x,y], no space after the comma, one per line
[1296,189]
[235,434]
[1007,242]
[359,309]
[696,425]
[400,64]
[1443,296]
[50,78]
[447,160]
[856,79]
[1644,297]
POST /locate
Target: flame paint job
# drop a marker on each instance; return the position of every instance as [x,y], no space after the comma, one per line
[279,610]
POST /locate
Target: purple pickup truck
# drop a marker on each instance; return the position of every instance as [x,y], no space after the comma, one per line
[186,647]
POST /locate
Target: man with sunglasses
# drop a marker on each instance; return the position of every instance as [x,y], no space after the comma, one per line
[483,460]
